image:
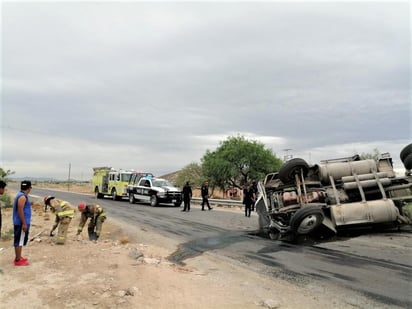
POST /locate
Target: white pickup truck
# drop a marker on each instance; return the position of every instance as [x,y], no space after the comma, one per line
[154,190]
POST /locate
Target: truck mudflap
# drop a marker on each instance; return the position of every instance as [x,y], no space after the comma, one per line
[263,216]
[329,224]
[377,211]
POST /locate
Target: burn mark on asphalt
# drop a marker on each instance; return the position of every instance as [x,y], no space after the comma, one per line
[198,246]
[388,300]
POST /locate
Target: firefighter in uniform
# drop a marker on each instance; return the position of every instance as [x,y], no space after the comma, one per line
[97,216]
[64,214]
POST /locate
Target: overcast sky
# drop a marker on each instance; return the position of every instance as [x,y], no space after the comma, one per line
[153,85]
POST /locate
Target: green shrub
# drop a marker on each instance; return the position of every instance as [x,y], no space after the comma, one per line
[6,201]
[7,235]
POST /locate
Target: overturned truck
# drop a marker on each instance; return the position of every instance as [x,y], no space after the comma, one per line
[335,195]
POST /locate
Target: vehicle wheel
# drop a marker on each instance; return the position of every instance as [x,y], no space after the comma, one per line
[405,152]
[132,200]
[292,167]
[97,194]
[114,195]
[178,203]
[408,162]
[153,201]
[306,220]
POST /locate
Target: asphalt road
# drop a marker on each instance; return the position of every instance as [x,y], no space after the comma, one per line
[378,266]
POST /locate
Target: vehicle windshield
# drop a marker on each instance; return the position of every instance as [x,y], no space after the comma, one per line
[125,177]
[161,183]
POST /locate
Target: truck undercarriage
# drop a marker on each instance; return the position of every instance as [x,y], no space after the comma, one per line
[335,195]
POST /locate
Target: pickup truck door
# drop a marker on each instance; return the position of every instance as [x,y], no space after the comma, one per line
[143,190]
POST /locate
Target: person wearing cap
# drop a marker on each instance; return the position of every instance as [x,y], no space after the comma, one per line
[187,195]
[255,191]
[64,214]
[204,190]
[2,189]
[97,216]
[21,221]
[249,198]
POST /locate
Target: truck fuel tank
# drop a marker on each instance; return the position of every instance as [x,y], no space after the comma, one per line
[377,211]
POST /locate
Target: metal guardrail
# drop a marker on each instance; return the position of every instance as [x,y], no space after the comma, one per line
[222,202]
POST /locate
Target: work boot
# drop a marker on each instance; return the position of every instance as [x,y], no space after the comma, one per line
[90,231]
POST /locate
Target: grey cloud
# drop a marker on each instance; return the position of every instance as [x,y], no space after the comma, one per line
[159,83]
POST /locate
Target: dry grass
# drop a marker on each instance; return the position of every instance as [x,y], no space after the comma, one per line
[72,187]
[124,240]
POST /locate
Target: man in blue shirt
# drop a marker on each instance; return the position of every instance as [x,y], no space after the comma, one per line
[21,221]
[2,189]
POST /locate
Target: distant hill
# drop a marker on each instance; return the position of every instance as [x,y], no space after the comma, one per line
[43,179]
[170,177]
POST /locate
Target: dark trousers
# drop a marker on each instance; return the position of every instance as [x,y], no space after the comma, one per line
[205,200]
[186,203]
[248,207]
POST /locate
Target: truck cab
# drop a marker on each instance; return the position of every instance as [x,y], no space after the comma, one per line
[153,190]
[109,181]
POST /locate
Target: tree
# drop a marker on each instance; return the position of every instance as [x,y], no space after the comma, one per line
[191,172]
[4,174]
[5,199]
[237,161]
[375,155]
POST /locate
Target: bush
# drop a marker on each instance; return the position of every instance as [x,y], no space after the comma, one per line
[6,201]
[8,235]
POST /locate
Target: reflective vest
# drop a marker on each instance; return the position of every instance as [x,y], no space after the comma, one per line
[64,210]
[93,212]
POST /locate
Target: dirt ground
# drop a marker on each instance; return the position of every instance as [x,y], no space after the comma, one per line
[128,268]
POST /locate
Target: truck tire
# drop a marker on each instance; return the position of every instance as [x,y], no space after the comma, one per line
[408,162]
[178,203]
[132,200]
[290,168]
[405,152]
[97,194]
[153,200]
[306,220]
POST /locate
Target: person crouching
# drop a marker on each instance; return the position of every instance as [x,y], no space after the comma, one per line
[64,214]
[97,216]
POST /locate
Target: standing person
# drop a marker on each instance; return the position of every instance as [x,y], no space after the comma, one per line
[205,195]
[2,189]
[248,199]
[21,221]
[64,214]
[255,191]
[187,195]
[97,216]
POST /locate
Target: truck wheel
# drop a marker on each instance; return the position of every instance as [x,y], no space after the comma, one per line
[408,162]
[114,195]
[405,152]
[178,203]
[153,201]
[97,194]
[290,168]
[306,220]
[132,200]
